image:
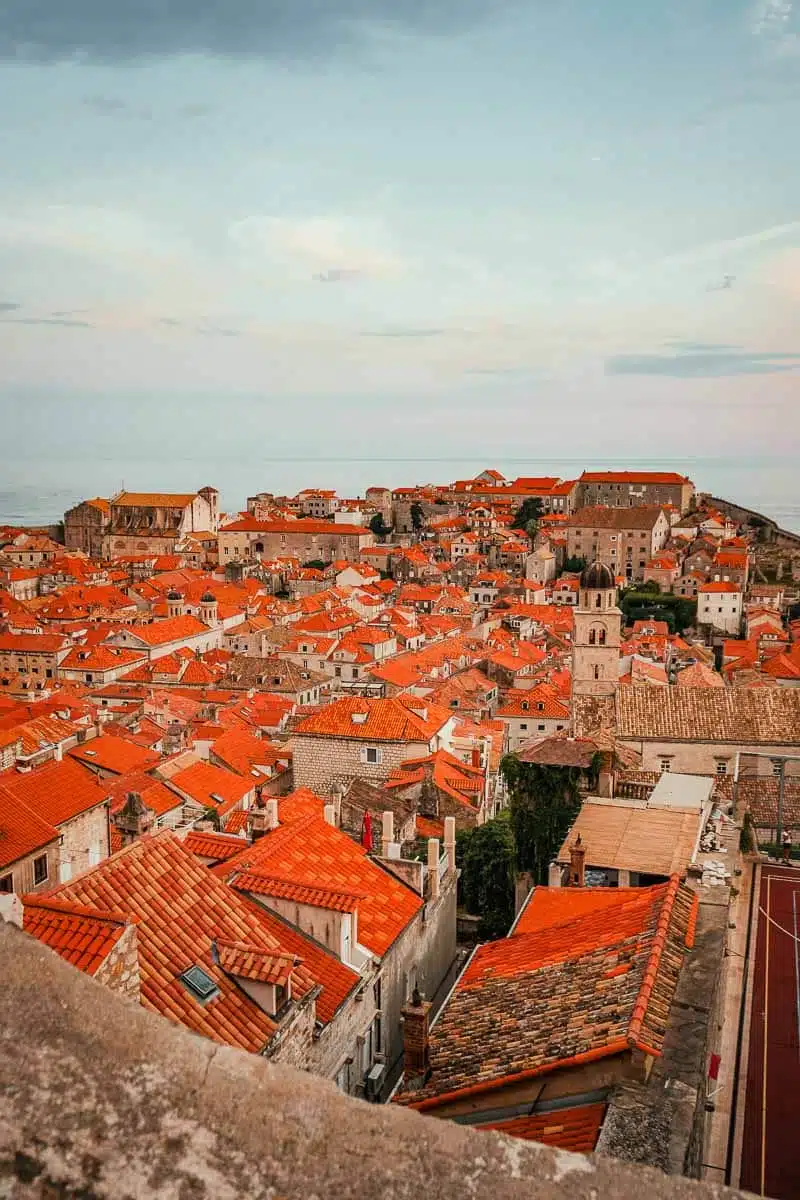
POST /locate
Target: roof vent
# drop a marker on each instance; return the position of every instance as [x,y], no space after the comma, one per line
[358,718]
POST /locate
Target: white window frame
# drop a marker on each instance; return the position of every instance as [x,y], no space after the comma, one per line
[366,751]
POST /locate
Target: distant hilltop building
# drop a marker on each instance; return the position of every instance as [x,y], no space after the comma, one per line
[140,522]
[631,489]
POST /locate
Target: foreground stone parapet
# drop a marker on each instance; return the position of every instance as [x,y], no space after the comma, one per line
[102,1099]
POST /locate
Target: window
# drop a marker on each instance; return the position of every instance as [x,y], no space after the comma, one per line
[523,724]
[540,728]
[592,637]
[372,755]
[40,869]
[596,671]
[777,767]
[199,983]
[722,767]
[666,765]
[6,884]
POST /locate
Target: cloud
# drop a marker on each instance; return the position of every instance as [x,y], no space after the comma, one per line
[704,363]
[405,332]
[63,321]
[96,31]
[729,246]
[171,322]
[215,331]
[328,249]
[8,306]
[725,284]
[337,275]
[776,23]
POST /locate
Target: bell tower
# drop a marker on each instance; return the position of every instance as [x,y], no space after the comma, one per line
[596,633]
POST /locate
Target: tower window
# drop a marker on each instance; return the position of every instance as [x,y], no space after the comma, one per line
[596,671]
[592,637]
[598,600]
[602,637]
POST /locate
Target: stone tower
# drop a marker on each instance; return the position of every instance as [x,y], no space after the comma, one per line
[208,609]
[596,634]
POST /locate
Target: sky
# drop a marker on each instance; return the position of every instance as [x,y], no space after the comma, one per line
[266,229]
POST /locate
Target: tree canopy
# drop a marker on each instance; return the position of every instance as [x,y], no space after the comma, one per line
[379,526]
[417,516]
[529,510]
[544,802]
[488,873]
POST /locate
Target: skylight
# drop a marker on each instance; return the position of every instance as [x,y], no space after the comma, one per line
[199,983]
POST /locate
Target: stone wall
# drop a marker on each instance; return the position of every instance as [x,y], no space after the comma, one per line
[319,762]
[700,758]
[84,841]
[120,970]
[105,1100]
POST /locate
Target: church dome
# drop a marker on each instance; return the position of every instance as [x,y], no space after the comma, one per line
[173,595]
[207,598]
[597,576]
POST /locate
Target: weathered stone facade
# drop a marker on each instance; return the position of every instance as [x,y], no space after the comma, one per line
[86,525]
[120,970]
[320,762]
[84,841]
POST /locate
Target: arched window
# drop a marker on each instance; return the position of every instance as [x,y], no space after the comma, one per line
[592,636]
[598,600]
[259,547]
[602,637]
[596,671]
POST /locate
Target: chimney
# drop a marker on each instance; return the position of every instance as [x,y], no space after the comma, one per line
[330,814]
[262,817]
[577,865]
[11,909]
[433,868]
[134,819]
[416,1044]
[387,833]
[450,842]
[58,752]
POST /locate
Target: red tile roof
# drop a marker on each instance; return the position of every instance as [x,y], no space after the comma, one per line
[575,1129]
[182,909]
[114,754]
[250,962]
[82,935]
[56,792]
[22,832]
[376,720]
[314,854]
[213,787]
[633,477]
[172,629]
[217,846]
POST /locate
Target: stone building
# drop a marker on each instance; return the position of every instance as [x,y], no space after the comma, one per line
[33,654]
[719,604]
[631,489]
[306,539]
[103,945]
[596,634]
[29,848]
[154,522]
[360,737]
[625,538]
[73,801]
[86,525]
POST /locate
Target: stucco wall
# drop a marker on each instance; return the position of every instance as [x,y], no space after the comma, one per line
[84,841]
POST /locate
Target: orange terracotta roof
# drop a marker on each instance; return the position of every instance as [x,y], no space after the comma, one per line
[258,884]
[575,1129]
[22,831]
[173,629]
[182,909]
[387,720]
[114,754]
[249,962]
[213,787]
[57,792]
[84,936]
[314,854]
[633,477]
[217,846]
[153,499]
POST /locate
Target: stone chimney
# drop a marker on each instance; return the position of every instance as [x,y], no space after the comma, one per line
[330,814]
[416,1042]
[387,833]
[262,817]
[433,868]
[577,863]
[172,740]
[134,819]
[450,842]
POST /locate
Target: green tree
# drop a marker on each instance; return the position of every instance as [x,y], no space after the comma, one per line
[212,814]
[544,802]
[379,526]
[316,563]
[575,564]
[529,510]
[417,516]
[488,876]
[652,585]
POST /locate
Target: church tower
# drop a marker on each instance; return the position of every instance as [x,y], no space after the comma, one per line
[596,633]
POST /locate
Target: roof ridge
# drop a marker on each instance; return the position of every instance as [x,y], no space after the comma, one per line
[71,908]
[650,971]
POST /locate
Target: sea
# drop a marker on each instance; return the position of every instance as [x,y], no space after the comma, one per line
[38,493]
